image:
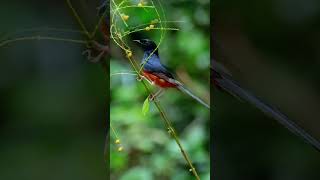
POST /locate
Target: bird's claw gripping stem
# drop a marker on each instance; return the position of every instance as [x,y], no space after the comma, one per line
[103,50]
[139,77]
[152,97]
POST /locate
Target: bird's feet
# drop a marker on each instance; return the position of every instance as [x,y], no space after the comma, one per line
[95,48]
[155,96]
[152,97]
[140,77]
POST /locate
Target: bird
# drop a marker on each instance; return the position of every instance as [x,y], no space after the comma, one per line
[157,73]
[223,81]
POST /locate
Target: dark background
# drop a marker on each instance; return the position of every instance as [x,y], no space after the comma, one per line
[53,102]
[271,48]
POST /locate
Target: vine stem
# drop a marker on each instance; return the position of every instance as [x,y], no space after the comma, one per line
[167,122]
[168,125]
[104,65]
[3,43]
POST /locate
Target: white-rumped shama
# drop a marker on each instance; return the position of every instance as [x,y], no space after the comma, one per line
[159,74]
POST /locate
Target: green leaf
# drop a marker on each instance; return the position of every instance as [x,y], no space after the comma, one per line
[145,107]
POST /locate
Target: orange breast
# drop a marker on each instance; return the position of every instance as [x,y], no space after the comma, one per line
[158,81]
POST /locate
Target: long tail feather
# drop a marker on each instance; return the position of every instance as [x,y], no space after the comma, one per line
[226,83]
[188,92]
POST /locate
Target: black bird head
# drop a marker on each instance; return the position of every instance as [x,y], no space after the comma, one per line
[147,45]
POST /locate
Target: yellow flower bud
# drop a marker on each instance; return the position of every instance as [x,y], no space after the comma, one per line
[120,149]
[125,17]
[129,53]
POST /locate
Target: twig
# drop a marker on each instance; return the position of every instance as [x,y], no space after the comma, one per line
[134,65]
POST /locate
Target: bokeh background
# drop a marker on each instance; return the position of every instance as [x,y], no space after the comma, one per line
[53,102]
[272,48]
[149,152]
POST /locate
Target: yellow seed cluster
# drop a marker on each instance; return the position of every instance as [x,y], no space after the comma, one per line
[120,149]
[129,53]
[151,26]
[125,17]
[141,3]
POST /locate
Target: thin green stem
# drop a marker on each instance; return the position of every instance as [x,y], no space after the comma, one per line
[3,43]
[117,10]
[39,29]
[106,69]
[114,132]
[75,14]
[101,19]
[137,30]
[123,73]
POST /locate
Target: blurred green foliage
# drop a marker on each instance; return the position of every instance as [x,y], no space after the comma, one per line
[149,151]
